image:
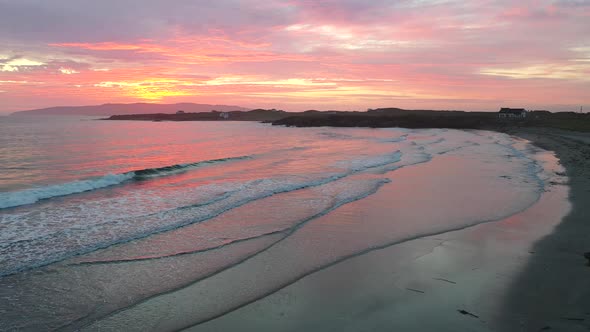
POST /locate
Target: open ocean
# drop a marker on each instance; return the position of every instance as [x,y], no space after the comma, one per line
[124,211]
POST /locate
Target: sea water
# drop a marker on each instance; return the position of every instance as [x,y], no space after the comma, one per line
[98,218]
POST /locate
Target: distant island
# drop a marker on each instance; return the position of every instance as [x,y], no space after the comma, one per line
[143,108]
[382,118]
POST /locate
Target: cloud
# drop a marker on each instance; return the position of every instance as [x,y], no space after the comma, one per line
[18,64]
[341,53]
[68,71]
[565,72]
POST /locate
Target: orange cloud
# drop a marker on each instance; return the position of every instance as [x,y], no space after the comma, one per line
[299,54]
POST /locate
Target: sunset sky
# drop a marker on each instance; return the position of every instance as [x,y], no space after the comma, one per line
[297,54]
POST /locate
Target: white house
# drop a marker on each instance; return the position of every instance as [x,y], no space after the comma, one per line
[506,112]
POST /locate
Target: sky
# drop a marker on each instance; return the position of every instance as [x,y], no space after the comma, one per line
[297,54]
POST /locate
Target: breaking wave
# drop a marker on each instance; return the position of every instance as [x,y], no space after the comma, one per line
[33,195]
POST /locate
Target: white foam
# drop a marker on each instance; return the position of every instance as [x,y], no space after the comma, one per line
[30,196]
[357,165]
[393,139]
[44,234]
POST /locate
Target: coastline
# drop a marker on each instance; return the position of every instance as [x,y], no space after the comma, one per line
[553,291]
[524,273]
[485,277]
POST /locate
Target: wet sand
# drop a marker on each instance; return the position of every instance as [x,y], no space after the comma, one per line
[553,291]
[524,273]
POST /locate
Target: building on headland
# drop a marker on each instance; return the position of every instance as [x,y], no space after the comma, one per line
[224,115]
[506,112]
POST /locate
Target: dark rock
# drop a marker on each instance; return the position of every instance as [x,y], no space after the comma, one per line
[465,312]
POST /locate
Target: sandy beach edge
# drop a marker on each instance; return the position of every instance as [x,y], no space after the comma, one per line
[553,291]
[524,273]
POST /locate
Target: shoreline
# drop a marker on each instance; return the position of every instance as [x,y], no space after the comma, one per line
[529,272]
[380,118]
[482,277]
[553,289]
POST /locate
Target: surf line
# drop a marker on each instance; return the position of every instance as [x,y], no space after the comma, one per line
[288,232]
[33,195]
[338,261]
[394,158]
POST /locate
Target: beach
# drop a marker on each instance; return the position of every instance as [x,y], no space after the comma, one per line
[553,290]
[295,165]
[524,273]
[340,229]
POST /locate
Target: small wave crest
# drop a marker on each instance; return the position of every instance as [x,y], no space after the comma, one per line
[30,196]
[33,195]
[41,250]
[394,139]
[174,169]
[357,165]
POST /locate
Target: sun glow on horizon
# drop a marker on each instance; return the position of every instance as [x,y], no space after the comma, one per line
[448,55]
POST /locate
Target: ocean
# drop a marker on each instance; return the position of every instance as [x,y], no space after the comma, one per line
[98,217]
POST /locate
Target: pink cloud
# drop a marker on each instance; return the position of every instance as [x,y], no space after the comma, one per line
[283,53]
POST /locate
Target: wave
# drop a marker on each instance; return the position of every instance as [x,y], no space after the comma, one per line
[369,188]
[394,139]
[179,168]
[147,225]
[357,165]
[33,195]
[331,262]
[344,198]
[30,196]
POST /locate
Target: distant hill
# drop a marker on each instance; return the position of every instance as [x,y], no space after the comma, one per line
[137,108]
[253,115]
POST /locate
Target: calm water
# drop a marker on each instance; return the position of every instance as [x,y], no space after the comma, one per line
[164,204]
